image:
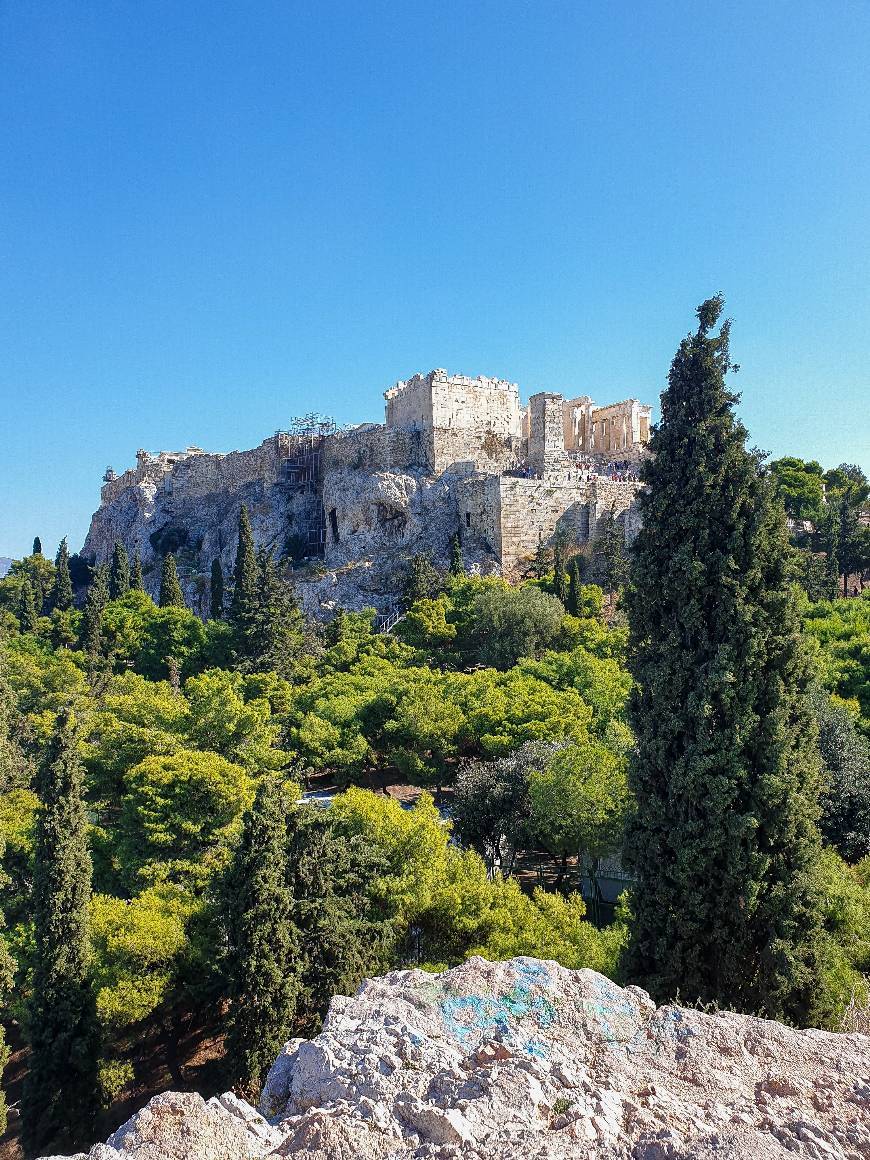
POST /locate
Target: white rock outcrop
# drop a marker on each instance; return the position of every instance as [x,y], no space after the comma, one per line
[525,1059]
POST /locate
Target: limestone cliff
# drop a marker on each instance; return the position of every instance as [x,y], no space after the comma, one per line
[349,527]
[493,1061]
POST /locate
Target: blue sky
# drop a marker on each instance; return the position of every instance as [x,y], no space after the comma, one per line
[215,216]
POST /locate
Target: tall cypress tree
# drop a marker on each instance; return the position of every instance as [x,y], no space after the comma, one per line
[457,567]
[136,584]
[559,569]
[573,600]
[119,575]
[15,768]
[246,577]
[609,556]
[171,595]
[37,546]
[62,593]
[263,941]
[95,604]
[38,589]
[217,589]
[541,561]
[273,637]
[60,1092]
[26,605]
[725,769]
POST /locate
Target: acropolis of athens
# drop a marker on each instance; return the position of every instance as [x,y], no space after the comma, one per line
[455,455]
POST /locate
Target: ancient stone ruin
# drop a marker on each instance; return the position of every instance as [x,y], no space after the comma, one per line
[495,1061]
[454,455]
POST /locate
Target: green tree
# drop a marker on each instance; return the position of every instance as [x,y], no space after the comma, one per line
[609,556]
[15,766]
[171,595]
[423,579]
[6,991]
[541,562]
[725,770]
[274,636]
[799,485]
[136,583]
[246,581]
[845,821]
[178,816]
[559,579]
[491,809]
[27,613]
[216,590]
[846,539]
[510,623]
[60,1093]
[62,593]
[37,546]
[263,943]
[95,605]
[119,575]
[457,567]
[579,804]
[343,934]
[572,602]
[815,573]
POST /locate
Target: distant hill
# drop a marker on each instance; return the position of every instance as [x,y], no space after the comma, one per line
[5,565]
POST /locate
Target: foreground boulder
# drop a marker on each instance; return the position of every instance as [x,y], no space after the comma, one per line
[525,1059]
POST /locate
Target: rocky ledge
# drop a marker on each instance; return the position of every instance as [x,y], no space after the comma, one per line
[527,1059]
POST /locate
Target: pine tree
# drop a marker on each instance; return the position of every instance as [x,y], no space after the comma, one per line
[246,575]
[559,570]
[263,941]
[724,773]
[26,605]
[171,595]
[62,593]
[457,567]
[136,584]
[217,589]
[119,577]
[60,1091]
[95,604]
[37,546]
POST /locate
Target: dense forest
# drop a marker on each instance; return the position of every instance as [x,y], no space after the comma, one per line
[167,853]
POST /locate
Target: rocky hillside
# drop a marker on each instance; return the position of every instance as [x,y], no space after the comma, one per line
[528,1059]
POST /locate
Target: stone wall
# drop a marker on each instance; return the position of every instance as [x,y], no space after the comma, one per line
[510,516]
[460,420]
[479,509]
[374,447]
[534,511]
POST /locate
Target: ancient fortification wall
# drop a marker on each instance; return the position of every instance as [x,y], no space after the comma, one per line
[511,516]
[460,420]
[455,453]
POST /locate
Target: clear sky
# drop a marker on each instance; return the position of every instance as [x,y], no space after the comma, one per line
[217,215]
